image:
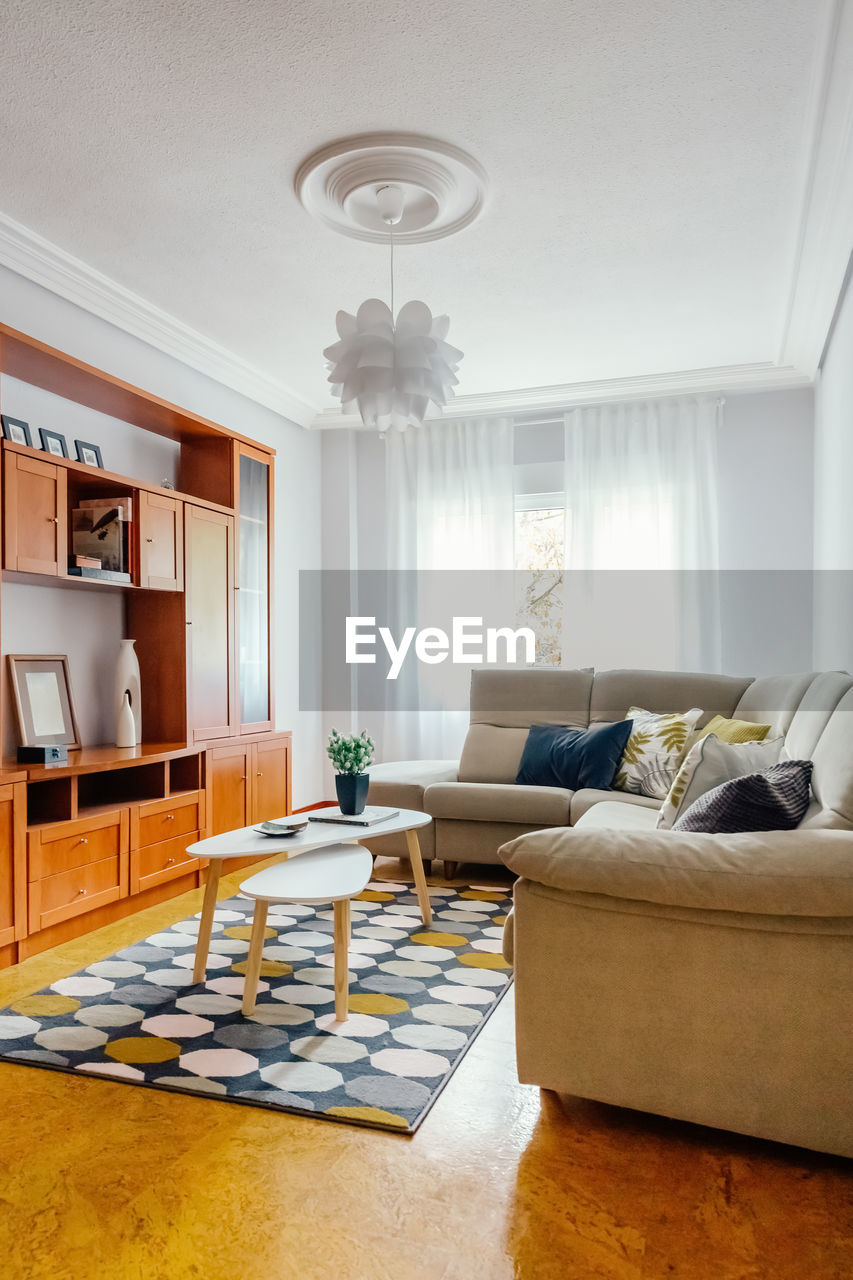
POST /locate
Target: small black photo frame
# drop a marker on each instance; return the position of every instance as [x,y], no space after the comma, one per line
[53,442]
[88,453]
[15,430]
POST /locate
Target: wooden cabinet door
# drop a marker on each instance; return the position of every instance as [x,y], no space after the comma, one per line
[161,542]
[13,880]
[211,666]
[36,517]
[229,789]
[269,763]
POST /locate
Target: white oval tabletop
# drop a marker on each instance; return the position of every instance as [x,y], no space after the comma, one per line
[320,875]
[247,842]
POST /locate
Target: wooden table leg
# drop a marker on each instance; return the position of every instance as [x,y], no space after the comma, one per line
[342,935]
[208,907]
[416,860]
[256,955]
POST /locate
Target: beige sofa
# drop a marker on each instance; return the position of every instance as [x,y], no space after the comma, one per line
[704,977]
[475,803]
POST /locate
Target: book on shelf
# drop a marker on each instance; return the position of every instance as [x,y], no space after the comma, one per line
[367,818]
[102,575]
[84,562]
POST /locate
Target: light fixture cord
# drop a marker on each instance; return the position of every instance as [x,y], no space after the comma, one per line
[391,243]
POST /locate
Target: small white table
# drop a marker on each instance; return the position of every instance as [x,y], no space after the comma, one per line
[334,874]
[246,842]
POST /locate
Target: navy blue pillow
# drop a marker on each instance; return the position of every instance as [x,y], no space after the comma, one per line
[556,756]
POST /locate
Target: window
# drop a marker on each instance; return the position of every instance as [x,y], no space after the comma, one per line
[539,538]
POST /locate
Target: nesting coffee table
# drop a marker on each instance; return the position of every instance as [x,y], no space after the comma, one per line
[246,842]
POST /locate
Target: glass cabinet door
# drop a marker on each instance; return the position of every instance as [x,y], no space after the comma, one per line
[254,594]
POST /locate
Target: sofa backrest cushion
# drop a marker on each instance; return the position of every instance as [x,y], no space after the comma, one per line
[613,692]
[774,700]
[832,751]
[505,703]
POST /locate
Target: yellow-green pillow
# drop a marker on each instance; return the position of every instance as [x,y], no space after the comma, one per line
[735,730]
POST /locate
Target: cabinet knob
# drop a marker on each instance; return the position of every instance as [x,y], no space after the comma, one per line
[83,840]
[260,774]
[170,817]
[243,779]
[149,539]
[53,520]
[81,893]
[169,861]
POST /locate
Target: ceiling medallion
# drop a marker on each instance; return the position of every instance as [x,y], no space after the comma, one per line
[444,188]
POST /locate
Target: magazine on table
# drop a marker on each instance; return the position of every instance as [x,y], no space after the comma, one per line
[368,816]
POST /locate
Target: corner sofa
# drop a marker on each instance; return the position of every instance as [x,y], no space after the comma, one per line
[708,978]
[475,803]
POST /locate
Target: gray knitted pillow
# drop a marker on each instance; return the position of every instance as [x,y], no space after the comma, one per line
[775,799]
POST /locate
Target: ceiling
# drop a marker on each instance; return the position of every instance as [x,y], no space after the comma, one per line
[647,166]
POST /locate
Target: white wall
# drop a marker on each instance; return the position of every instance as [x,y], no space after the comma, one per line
[833,543]
[61,324]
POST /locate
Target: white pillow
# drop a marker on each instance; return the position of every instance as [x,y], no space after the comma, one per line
[708,764]
[654,751]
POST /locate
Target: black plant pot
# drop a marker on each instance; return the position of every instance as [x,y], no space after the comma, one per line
[352,791]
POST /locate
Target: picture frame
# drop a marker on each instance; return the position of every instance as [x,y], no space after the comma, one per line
[16,430]
[53,442]
[90,454]
[44,705]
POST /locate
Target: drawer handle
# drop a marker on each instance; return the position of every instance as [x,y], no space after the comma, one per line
[82,892]
[169,861]
[83,840]
[170,817]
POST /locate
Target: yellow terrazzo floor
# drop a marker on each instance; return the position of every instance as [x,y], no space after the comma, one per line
[111,1182]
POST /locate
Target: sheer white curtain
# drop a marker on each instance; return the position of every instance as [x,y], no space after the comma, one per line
[641,511]
[450,501]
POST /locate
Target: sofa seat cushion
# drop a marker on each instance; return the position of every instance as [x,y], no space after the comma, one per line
[587,797]
[499,802]
[784,873]
[617,815]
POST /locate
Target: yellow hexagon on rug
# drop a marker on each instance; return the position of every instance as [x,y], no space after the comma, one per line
[244,932]
[499,919]
[46,1006]
[365,1003]
[142,1049]
[440,939]
[483,895]
[368,1113]
[373,895]
[269,968]
[484,960]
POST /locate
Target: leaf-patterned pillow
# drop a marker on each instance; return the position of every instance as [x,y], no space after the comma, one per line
[655,750]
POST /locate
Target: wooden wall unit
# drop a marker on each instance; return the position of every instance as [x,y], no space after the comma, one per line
[91,841]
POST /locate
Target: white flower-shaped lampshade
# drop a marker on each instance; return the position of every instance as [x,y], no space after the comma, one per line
[391,372]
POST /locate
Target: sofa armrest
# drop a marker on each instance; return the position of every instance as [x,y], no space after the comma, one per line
[793,873]
[422,773]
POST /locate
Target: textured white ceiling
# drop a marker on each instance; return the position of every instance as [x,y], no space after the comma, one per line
[646,163]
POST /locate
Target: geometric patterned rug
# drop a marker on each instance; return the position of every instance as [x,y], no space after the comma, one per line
[418,998]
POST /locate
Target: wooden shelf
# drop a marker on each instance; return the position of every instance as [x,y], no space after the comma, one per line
[97,759]
[32,361]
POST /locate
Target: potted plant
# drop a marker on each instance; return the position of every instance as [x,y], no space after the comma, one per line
[351,756]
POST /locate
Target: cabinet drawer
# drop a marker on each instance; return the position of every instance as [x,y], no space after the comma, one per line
[68,845]
[165,819]
[59,897]
[157,863]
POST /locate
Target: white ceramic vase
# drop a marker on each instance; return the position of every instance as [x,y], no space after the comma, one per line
[126,728]
[127,682]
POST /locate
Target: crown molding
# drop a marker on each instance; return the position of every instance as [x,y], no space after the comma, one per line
[37,259]
[731,379]
[824,237]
